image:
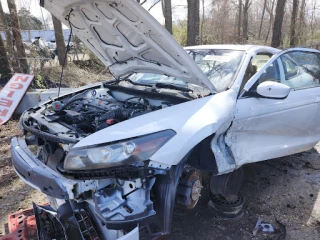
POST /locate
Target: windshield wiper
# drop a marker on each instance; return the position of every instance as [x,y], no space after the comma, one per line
[135,83]
[173,86]
[159,85]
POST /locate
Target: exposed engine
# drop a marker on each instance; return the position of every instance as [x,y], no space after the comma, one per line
[96,109]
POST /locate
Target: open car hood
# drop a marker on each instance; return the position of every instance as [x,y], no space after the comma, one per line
[127,38]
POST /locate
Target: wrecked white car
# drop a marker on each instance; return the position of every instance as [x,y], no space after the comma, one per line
[114,158]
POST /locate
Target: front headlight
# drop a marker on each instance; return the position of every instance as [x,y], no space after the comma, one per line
[130,151]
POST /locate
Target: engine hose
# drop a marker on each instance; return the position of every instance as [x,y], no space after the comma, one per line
[120,114]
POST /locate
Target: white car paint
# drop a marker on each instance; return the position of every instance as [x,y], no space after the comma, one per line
[274,127]
[272,89]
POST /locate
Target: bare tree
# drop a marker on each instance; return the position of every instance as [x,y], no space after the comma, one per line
[245,20]
[21,54]
[167,13]
[4,27]
[312,21]
[293,23]
[261,22]
[270,21]
[301,22]
[277,27]
[193,28]
[5,68]
[236,21]
[239,20]
[202,23]
[61,45]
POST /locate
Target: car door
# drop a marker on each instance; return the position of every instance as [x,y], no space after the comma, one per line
[266,128]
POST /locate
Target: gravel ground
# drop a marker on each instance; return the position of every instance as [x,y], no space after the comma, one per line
[284,189]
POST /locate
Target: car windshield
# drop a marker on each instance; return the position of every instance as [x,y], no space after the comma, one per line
[220,66]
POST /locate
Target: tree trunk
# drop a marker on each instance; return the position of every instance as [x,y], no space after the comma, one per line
[21,53]
[167,13]
[277,27]
[245,21]
[193,28]
[6,29]
[5,68]
[293,23]
[239,21]
[312,21]
[301,22]
[202,24]
[61,45]
[270,21]
[262,16]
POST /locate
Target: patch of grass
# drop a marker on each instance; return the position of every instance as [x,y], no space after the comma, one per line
[73,76]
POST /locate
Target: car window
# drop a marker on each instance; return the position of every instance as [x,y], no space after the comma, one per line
[260,60]
[290,68]
[219,65]
[272,73]
[310,61]
[295,76]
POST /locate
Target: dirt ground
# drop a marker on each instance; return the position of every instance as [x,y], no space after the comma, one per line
[284,189]
[15,195]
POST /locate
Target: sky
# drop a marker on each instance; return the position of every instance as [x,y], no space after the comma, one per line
[179,9]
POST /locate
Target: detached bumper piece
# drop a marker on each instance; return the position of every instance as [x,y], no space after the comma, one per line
[48,226]
[64,224]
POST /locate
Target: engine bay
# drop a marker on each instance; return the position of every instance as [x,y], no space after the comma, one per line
[94,110]
[70,118]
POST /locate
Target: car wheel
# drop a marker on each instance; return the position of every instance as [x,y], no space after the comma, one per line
[228,185]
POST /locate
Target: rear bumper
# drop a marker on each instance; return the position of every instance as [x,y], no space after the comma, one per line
[34,172]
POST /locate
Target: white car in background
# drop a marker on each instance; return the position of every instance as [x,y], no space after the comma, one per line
[115,157]
[52,45]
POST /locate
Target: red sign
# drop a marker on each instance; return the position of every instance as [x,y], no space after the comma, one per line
[11,95]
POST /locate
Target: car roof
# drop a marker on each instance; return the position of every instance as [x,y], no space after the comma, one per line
[231,47]
[249,48]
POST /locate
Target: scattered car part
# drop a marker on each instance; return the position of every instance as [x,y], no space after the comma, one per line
[257,227]
[225,209]
[266,228]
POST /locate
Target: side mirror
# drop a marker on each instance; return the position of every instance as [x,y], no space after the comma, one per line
[270,89]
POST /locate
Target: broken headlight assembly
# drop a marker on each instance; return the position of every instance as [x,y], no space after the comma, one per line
[127,152]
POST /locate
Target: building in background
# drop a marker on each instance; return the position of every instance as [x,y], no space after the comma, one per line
[47,35]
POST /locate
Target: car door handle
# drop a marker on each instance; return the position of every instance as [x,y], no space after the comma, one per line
[317,99]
